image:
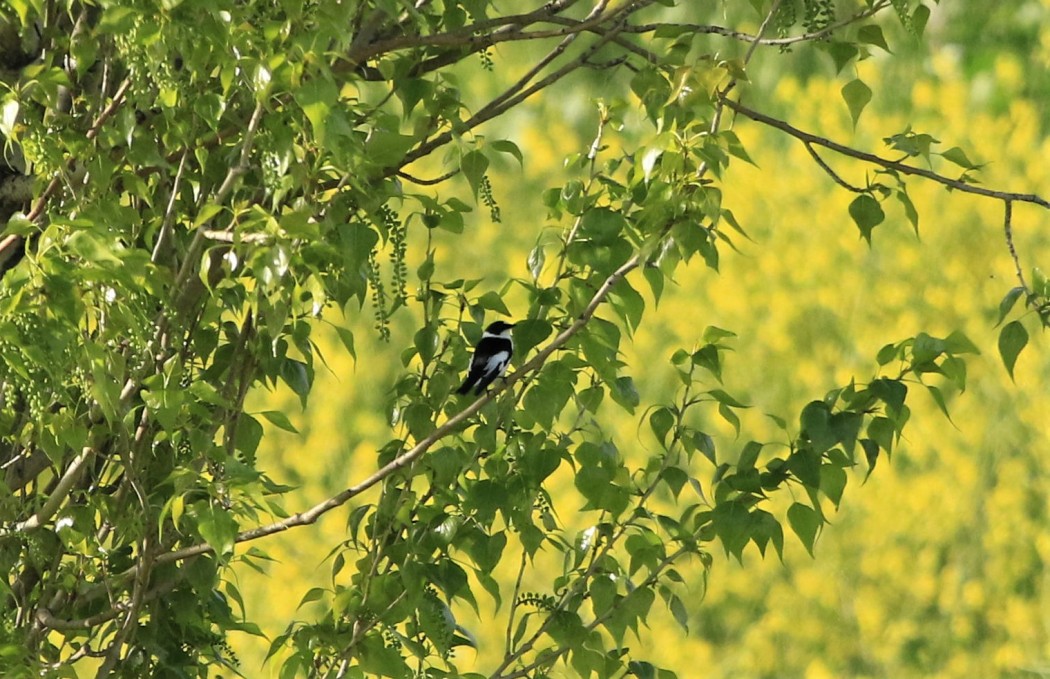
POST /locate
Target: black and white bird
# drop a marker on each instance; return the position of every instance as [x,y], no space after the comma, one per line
[491,357]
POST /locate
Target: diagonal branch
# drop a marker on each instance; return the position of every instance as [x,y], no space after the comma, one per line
[831,172]
[515,94]
[809,138]
[406,458]
[58,495]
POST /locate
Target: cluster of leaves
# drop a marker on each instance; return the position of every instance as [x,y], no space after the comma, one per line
[217,175]
[868,419]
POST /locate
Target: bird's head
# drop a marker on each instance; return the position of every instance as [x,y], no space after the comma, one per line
[499,329]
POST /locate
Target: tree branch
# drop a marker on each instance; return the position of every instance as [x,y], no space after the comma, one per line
[58,495]
[1008,231]
[830,172]
[902,168]
[704,29]
[514,95]
[311,515]
[475,37]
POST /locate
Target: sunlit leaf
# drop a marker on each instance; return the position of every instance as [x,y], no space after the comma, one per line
[1012,339]
[857,96]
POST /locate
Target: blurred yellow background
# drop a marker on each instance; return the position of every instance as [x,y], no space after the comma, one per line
[936,567]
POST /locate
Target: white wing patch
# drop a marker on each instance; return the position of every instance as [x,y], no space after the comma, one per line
[497,364]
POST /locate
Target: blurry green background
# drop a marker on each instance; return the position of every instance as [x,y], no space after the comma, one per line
[937,566]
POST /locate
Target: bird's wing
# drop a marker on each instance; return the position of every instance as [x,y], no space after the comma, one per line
[497,363]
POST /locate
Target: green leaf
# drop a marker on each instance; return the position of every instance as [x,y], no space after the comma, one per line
[593,483]
[426,343]
[347,338]
[729,416]
[735,147]
[909,209]
[871,455]
[816,425]
[644,669]
[724,398]
[507,146]
[661,420]
[882,432]
[529,333]
[628,303]
[624,392]
[602,225]
[841,53]
[1012,339]
[1040,282]
[891,392]
[938,398]
[316,96]
[958,343]
[314,594]
[1008,302]
[925,348]
[384,147]
[473,165]
[217,528]
[679,611]
[249,434]
[767,529]
[732,524]
[118,20]
[749,455]
[492,301]
[805,522]
[886,354]
[707,357]
[832,482]
[857,96]
[296,375]
[280,420]
[705,444]
[919,19]
[92,247]
[871,34]
[867,214]
[713,334]
[958,156]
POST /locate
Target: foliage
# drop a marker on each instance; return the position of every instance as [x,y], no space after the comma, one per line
[213,180]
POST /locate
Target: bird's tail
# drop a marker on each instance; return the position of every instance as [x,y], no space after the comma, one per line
[465,387]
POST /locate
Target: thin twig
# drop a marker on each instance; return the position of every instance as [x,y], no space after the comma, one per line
[705,29]
[164,235]
[1008,230]
[830,172]
[514,601]
[189,264]
[428,182]
[227,236]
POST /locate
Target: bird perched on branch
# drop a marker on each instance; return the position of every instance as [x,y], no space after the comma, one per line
[491,357]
